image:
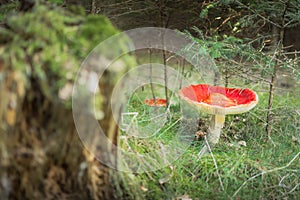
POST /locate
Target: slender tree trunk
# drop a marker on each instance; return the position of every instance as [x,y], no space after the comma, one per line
[217,78]
[278,49]
[93,7]
[151,83]
[164,20]
[270,102]
[226,77]
[166,78]
[182,72]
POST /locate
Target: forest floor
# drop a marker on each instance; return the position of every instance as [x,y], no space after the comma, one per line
[246,164]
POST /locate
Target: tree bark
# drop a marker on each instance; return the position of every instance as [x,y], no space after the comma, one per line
[93,7]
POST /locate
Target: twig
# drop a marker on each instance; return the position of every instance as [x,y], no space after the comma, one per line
[265,172]
[294,188]
[226,20]
[253,11]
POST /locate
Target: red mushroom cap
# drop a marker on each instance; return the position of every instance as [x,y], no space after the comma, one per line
[219,100]
[158,102]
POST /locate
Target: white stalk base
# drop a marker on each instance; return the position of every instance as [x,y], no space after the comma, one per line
[214,132]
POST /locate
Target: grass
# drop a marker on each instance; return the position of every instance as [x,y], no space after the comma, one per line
[263,169]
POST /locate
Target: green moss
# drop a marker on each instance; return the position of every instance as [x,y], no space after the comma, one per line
[49,44]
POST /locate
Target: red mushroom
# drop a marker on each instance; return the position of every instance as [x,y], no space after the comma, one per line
[218,101]
[156,102]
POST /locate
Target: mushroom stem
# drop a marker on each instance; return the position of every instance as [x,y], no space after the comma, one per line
[216,125]
[214,132]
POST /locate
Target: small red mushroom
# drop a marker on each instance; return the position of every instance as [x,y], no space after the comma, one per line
[218,101]
[156,102]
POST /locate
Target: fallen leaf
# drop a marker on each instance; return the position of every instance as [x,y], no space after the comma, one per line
[200,134]
[230,144]
[184,197]
[294,139]
[144,189]
[242,143]
[163,180]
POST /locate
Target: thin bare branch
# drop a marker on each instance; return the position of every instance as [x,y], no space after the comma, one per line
[266,172]
[261,16]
